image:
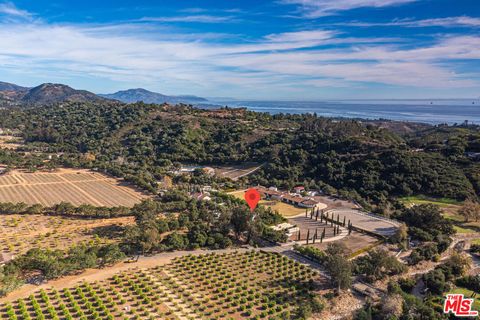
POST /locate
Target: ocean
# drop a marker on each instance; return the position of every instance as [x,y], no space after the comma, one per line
[426,111]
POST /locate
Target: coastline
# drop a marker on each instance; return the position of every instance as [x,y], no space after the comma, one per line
[431,112]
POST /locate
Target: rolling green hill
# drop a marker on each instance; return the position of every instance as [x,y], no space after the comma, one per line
[143,142]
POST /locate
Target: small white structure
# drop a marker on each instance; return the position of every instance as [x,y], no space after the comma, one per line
[202,196]
[289,229]
[282,226]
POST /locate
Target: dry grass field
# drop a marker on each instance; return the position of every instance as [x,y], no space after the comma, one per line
[10,142]
[285,209]
[355,242]
[19,233]
[74,186]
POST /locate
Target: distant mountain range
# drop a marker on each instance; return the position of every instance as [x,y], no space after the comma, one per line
[49,93]
[5,86]
[135,95]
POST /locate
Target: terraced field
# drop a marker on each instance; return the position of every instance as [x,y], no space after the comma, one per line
[74,186]
[250,285]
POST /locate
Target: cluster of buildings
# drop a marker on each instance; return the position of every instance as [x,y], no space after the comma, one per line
[291,198]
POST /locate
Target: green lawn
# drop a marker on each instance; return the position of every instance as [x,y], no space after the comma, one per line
[466,227]
[454,217]
[467,293]
[461,229]
[442,202]
[449,207]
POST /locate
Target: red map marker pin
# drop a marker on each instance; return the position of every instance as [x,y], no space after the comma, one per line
[252,196]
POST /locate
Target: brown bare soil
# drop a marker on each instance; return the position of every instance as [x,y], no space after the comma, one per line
[236,171]
[354,242]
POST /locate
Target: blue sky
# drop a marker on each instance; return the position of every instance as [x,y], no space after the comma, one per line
[283,49]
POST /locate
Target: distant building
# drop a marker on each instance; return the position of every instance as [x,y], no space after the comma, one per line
[309,203]
[299,189]
[202,196]
[299,201]
[293,199]
[269,194]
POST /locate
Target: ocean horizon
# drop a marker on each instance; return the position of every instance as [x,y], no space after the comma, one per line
[437,111]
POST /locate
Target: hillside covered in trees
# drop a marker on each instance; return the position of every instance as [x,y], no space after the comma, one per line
[144,142]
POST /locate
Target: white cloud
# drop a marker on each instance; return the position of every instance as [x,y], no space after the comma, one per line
[312,35]
[448,22]
[275,62]
[8,8]
[320,8]
[193,18]
[462,21]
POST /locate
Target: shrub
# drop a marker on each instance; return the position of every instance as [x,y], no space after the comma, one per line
[311,252]
[407,284]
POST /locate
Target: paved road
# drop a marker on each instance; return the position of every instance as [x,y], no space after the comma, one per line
[475,259]
[370,223]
